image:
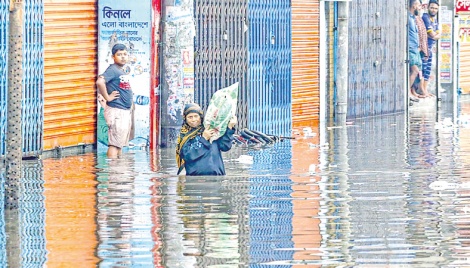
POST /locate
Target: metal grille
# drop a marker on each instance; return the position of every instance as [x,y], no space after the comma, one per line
[270,66]
[376,58]
[221,51]
[33,78]
[4,19]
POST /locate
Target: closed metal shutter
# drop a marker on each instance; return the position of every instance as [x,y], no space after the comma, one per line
[305,62]
[464,70]
[70,73]
[376,68]
[270,67]
[33,78]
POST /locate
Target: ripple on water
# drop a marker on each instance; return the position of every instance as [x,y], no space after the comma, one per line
[384,192]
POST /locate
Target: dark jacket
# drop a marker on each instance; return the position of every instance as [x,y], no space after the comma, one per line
[203,158]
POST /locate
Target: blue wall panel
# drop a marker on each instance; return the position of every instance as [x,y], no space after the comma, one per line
[4,14]
[269,66]
[33,78]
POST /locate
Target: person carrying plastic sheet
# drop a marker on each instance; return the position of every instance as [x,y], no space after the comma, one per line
[194,151]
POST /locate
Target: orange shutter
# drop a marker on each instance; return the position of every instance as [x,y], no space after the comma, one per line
[464,68]
[70,67]
[305,62]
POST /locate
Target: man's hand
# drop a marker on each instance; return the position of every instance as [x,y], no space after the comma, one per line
[208,133]
[114,95]
[232,122]
[101,85]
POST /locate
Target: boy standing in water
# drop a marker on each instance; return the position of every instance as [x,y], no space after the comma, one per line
[114,86]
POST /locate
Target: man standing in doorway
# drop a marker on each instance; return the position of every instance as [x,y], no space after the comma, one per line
[413,47]
[432,28]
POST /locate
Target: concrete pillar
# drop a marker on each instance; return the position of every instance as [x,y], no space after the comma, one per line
[174,94]
[15,87]
[342,63]
[13,237]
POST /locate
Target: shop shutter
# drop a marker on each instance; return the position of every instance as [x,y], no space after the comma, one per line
[70,38]
[464,71]
[305,62]
[270,66]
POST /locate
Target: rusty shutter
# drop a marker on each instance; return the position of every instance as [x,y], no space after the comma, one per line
[464,70]
[305,62]
[70,38]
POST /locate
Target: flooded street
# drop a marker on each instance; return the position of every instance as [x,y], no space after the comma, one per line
[391,191]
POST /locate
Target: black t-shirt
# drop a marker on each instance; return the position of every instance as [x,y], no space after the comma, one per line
[117,80]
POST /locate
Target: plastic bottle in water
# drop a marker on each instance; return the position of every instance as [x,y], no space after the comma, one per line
[141,100]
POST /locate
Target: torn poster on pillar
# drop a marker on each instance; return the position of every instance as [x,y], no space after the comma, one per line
[180,21]
[187,56]
[174,81]
[179,59]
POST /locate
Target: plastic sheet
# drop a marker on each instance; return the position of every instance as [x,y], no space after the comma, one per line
[222,108]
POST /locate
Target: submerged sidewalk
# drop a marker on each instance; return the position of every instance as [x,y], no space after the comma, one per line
[382,191]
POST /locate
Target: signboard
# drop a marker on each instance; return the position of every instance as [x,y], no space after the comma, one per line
[464,28]
[445,52]
[128,23]
[462,6]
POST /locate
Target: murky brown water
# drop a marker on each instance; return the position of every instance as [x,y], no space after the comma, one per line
[382,192]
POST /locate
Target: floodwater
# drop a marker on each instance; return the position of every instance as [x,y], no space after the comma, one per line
[390,191]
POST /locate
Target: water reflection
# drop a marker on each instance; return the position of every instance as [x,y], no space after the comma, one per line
[201,222]
[70,200]
[123,211]
[389,191]
[24,229]
[270,207]
[3,238]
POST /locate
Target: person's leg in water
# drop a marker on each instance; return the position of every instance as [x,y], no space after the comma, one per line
[113,152]
[427,65]
[416,88]
[119,129]
[419,87]
[425,89]
[414,73]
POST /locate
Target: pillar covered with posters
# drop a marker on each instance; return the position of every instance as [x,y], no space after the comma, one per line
[177,68]
[134,24]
